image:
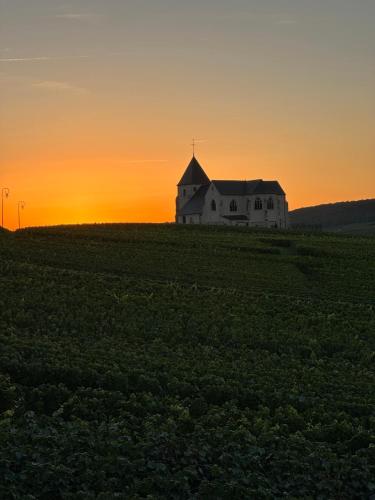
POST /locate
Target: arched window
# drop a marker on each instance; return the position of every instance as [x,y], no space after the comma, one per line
[184,192]
[270,205]
[213,205]
[258,205]
[248,206]
[233,206]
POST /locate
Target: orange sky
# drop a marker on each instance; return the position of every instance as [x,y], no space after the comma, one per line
[99,103]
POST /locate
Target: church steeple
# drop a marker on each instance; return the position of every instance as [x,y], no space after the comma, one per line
[194,175]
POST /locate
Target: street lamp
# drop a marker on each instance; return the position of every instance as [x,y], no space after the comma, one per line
[21,206]
[4,194]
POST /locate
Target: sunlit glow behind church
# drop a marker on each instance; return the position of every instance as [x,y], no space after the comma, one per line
[99,102]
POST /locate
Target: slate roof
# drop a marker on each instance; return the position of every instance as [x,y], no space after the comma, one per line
[194,175]
[269,187]
[243,188]
[196,203]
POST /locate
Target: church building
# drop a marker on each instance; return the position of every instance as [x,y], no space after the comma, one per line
[255,203]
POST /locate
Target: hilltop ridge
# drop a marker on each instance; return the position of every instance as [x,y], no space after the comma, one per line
[347,216]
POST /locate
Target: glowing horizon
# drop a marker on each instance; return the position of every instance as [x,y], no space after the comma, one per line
[100,101]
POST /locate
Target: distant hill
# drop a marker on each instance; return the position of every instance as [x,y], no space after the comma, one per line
[349,216]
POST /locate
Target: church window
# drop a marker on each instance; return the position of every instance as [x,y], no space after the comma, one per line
[258,204]
[270,204]
[233,206]
[213,205]
[248,206]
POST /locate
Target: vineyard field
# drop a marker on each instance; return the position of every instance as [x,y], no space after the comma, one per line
[163,361]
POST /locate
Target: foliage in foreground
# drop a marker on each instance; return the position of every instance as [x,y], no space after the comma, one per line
[171,362]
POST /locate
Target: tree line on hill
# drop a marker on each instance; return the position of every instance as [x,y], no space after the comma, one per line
[335,215]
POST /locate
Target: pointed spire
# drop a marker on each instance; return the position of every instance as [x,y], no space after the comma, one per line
[194,175]
[193,145]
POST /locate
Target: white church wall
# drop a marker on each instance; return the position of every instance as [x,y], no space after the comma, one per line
[267,216]
[185,193]
[189,219]
[194,219]
[264,217]
[210,216]
[240,202]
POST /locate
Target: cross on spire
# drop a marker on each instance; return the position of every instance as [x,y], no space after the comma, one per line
[193,145]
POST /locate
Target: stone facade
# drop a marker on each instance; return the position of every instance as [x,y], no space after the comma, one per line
[256,203]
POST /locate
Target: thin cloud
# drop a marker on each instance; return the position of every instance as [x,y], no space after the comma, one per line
[59,86]
[45,85]
[38,59]
[24,59]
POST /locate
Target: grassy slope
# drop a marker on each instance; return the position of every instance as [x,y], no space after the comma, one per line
[184,361]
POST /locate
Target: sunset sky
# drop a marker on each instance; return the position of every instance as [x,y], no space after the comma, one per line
[100,100]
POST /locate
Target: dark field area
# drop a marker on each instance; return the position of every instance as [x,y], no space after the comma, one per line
[157,361]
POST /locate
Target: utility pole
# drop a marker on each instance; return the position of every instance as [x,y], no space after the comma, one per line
[4,194]
[21,206]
